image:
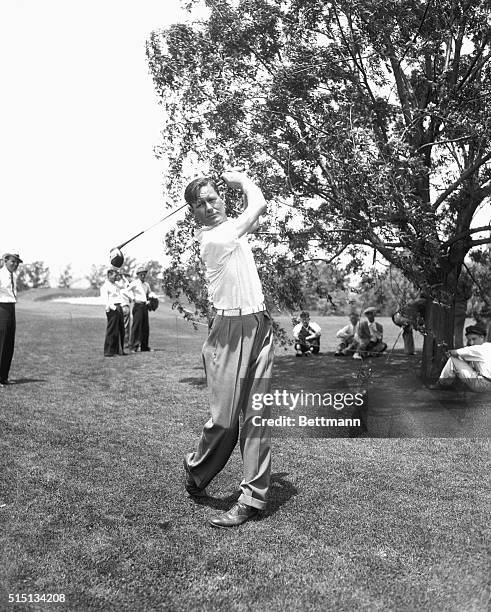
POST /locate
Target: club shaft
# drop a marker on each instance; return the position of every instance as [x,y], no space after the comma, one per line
[153,225]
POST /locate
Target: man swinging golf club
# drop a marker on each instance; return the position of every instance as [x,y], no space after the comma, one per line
[238,354]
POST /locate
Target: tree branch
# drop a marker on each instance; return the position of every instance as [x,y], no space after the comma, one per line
[460,180]
[482,241]
[441,142]
[467,233]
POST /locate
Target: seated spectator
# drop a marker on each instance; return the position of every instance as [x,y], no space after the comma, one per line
[307,336]
[470,364]
[347,334]
[369,336]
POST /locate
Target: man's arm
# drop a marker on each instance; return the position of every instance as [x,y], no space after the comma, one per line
[316,331]
[256,205]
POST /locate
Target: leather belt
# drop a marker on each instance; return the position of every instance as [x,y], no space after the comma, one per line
[240,312]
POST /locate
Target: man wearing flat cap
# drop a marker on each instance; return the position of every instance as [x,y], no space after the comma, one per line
[8,297]
[470,364]
[140,292]
[369,336]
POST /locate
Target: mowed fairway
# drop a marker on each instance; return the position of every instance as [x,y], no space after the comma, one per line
[92,502]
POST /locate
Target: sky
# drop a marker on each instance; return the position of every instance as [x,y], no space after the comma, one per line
[79,119]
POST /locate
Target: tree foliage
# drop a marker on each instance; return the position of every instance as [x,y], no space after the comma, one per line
[366,123]
[65,279]
[33,275]
[480,272]
[97,275]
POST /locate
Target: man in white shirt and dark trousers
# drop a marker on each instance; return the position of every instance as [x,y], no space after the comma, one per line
[140,292]
[307,336]
[8,297]
[238,353]
[111,298]
[470,364]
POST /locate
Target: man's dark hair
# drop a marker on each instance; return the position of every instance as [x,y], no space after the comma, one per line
[475,329]
[192,190]
[304,315]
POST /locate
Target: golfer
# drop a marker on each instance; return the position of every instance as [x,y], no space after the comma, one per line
[238,354]
[8,297]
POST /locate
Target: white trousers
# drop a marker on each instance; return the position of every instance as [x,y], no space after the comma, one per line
[458,368]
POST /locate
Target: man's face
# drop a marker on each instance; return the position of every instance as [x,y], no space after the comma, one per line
[474,339]
[353,319]
[142,276]
[209,208]
[305,321]
[370,316]
[11,263]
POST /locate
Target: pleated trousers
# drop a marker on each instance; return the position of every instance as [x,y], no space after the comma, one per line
[238,358]
[140,329]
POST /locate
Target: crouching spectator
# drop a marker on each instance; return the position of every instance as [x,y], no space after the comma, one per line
[369,336]
[307,336]
[402,321]
[347,336]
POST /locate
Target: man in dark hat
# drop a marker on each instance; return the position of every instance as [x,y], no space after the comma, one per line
[470,364]
[140,293]
[8,297]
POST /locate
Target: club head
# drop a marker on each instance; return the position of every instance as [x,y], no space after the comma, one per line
[116,257]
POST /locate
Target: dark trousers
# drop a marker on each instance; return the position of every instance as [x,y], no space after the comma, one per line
[140,330]
[7,338]
[312,347]
[113,344]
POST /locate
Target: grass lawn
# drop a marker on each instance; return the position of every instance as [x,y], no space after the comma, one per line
[92,503]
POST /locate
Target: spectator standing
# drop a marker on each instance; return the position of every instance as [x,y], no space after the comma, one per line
[8,297]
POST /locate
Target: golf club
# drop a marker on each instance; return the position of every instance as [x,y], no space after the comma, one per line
[115,254]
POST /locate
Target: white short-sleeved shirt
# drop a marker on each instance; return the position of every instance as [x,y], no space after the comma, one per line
[140,291]
[230,269]
[480,357]
[313,328]
[347,331]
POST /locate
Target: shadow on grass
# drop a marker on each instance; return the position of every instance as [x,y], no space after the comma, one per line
[24,381]
[195,381]
[280,492]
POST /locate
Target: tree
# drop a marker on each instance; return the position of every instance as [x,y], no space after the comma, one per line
[33,275]
[154,274]
[479,271]
[367,120]
[388,290]
[66,279]
[96,276]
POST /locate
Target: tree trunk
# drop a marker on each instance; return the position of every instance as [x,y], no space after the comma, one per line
[439,323]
